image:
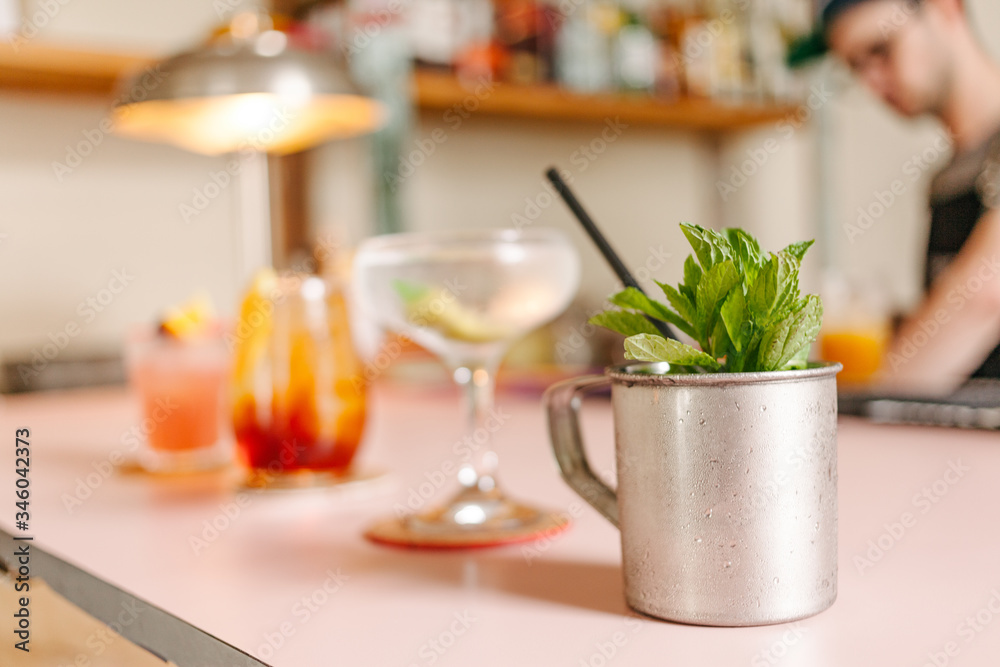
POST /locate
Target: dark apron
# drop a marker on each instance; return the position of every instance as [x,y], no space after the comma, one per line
[952,220]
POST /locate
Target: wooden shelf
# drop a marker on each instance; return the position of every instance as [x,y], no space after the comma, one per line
[440,91]
[45,69]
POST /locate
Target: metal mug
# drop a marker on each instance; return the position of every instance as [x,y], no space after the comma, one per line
[727,488]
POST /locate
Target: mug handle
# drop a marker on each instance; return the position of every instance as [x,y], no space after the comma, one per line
[563,402]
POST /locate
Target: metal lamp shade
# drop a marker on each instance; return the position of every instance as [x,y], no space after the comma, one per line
[257,94]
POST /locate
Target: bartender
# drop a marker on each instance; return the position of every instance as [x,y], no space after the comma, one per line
[921,57]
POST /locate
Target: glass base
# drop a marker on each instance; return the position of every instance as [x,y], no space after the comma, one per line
[175,462]
[473,518]
[261,480]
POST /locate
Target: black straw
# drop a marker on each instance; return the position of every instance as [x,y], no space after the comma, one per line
[602,243]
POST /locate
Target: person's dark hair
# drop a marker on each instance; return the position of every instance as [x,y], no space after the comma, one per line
[835,8]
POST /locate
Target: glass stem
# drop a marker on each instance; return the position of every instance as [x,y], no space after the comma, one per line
[478,383]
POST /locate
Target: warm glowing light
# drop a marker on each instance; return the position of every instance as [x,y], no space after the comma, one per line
[286,123]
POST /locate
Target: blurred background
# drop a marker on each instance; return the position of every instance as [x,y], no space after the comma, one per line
[656,111]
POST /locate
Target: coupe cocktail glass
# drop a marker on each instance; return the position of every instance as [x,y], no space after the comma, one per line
[466,296]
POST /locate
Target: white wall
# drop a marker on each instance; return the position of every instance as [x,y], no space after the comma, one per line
[117,210]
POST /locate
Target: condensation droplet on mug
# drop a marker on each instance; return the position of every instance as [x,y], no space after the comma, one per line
[680,420]
[697,540]
[763,408]
[701,422]
[728,564]
[708,513]
[692,494]
[817,525]
[776,580]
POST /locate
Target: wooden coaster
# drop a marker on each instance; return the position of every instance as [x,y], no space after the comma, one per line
[400,533]
[305,479]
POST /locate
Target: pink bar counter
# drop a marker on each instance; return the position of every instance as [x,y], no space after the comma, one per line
[288,577]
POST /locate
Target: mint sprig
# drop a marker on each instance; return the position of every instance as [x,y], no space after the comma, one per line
[742,307]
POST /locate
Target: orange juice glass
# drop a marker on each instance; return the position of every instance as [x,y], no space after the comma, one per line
[859,349]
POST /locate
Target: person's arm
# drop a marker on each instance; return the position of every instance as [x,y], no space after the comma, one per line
[957,325]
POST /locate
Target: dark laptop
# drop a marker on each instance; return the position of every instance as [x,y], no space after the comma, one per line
[974,405]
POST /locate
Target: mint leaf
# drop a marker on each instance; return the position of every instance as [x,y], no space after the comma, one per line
[692,272]
[709,246]
[656,348]
[714,287]
[775,289]
[798,361]
[682,304]
[786,339]
[632,298]
[798,250]
[720,340]
[734,315]
[627,324]
[746,252]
